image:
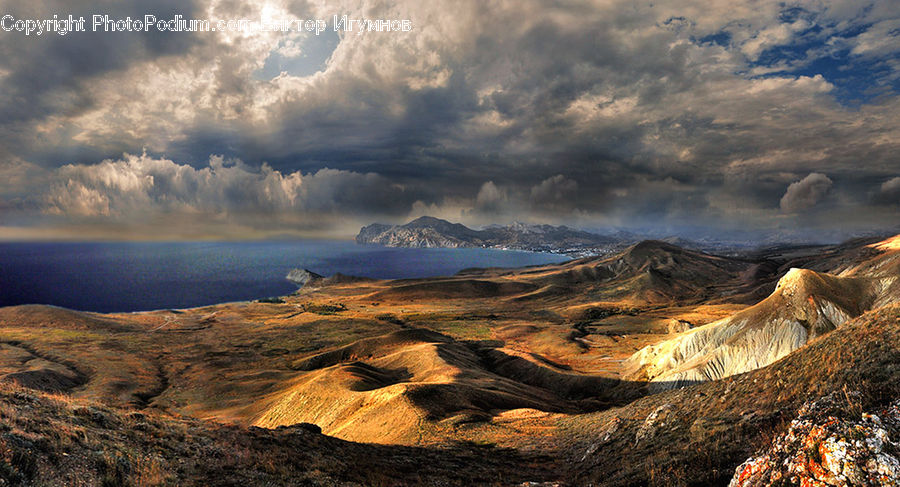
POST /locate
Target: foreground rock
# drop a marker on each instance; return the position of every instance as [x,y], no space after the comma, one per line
[825,446]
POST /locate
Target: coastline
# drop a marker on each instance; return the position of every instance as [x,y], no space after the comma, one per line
[145,276]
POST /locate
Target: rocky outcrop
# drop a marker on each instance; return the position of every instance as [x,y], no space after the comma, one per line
[654,422]
[827,446]
[804,305]
[302,277]
[370,233]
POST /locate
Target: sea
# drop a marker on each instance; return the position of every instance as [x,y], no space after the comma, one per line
[140,276]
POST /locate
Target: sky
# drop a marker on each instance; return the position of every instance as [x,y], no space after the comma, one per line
[704,117]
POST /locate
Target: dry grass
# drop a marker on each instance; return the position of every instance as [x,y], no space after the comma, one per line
[892,243]
[49,440]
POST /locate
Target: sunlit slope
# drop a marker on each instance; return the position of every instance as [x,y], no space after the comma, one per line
[54,439]
[651,272]
[386,389]
[805,304]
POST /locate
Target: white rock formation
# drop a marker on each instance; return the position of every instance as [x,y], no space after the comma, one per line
[804,305]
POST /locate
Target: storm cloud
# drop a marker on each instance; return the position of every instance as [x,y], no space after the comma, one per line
[587,113]
[554,192]
[889,192]
[806,193]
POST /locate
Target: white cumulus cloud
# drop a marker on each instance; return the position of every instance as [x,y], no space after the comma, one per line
[141,184]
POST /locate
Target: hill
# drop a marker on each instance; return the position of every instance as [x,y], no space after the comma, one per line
[805,304]
[51,439]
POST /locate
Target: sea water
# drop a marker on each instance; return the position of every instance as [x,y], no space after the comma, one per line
[139,276]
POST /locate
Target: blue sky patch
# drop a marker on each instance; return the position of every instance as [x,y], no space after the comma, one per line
[816,51]
[315,52]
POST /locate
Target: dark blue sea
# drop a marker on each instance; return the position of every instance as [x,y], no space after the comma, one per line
[120,276]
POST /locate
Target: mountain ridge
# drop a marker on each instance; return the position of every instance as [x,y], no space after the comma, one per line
[430,232]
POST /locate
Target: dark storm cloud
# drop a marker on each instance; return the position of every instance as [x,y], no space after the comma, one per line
[888,193]
[612,113]
[806,193]
[46,71]
[554,192]
[490,199]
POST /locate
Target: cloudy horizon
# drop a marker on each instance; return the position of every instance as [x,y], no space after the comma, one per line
[690,117]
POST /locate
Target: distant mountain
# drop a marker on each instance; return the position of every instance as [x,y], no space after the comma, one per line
[433,232]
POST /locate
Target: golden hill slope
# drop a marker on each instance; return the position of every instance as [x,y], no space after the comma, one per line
[385,389]
[805,304]
[52,439]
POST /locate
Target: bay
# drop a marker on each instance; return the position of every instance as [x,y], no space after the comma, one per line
[140,276]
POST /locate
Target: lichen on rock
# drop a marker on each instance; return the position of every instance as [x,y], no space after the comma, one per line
[826,446]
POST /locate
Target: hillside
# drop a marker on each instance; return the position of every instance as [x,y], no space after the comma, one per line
[698,435]
[51,439]
[805,304]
